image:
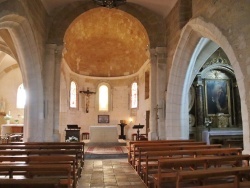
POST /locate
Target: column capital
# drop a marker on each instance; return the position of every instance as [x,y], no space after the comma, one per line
[158,54]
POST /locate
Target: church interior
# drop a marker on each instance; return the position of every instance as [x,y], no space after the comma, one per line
[118,71]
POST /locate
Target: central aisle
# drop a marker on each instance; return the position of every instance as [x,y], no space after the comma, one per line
[109,171]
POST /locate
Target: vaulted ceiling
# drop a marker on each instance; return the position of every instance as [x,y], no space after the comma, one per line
[105,42]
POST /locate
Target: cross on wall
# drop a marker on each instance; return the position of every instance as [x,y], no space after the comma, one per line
[87,94]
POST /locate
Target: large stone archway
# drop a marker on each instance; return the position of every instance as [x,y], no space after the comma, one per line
[30,65]
[176,107]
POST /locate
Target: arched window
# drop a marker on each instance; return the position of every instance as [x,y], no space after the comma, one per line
[103,98]
[21,97]
[73,97]
[134,95]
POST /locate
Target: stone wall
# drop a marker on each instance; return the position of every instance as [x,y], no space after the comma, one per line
[120,106]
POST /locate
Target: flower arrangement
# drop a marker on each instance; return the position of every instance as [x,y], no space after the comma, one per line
[7,117]
[72,139]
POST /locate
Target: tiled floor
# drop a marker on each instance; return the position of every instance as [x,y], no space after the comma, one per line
[109,173]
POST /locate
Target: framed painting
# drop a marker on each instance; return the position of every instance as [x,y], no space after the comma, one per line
[217,96]
[103,118]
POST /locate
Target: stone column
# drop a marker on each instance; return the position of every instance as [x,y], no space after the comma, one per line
[161,88]
[157,93]
[199,108]
[153,134]
[199,102]
[237,106]
[58,60]
[51,73]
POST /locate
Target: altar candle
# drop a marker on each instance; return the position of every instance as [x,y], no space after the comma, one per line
[9,112]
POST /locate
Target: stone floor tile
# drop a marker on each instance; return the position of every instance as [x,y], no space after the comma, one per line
[113,173]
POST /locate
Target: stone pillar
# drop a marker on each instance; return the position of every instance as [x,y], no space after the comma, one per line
[199,108]
[199,105]
[161,88]
[237,106]
[51,73]
[153,134]
[58,60]
[157,93]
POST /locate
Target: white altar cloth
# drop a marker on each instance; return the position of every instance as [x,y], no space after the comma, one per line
[103,134]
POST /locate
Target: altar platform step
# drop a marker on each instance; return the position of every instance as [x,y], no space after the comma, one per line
[120,142]
[106,156]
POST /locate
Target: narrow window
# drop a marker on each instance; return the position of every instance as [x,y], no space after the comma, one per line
[72,94]
[134,95]
[146,85]
[103,98]
[21,97]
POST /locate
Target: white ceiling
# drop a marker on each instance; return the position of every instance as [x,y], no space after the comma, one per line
[162,7]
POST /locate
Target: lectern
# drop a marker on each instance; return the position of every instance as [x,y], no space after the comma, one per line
[72,130]
[138,127]
[122,136]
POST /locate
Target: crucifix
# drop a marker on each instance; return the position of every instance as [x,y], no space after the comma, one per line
[87,93]
[157,117]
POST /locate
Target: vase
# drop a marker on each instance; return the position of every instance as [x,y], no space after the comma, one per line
[8,121]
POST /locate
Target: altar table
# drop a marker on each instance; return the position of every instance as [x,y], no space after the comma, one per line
[207,136]
[103,134]
[11,128]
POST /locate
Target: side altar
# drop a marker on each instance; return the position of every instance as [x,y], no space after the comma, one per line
[209,136]
[11,128]
[103,134]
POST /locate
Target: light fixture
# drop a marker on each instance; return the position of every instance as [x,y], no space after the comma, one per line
[109,3]
[130,120]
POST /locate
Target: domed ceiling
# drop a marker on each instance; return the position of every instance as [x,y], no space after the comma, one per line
[106,42]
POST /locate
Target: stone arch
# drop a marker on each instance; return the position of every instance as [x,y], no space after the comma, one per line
[176,116]
[29,62]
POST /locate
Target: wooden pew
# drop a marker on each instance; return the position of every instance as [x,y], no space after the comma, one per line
[78,146]
[168,168]
[153,156]
[31,183]
[58,148]
[63,169]
[142,151]
[31,152]
[46,143]
[53,159]
[133,147]
[130,143]
[82,144]
[201,175]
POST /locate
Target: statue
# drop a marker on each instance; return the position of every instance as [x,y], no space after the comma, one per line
[2,106]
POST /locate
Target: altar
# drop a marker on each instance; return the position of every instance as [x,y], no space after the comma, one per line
[11,128]
[103,134]
[208,136]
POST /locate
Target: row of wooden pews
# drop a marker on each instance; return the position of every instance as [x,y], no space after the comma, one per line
[187,163]
[41,164]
